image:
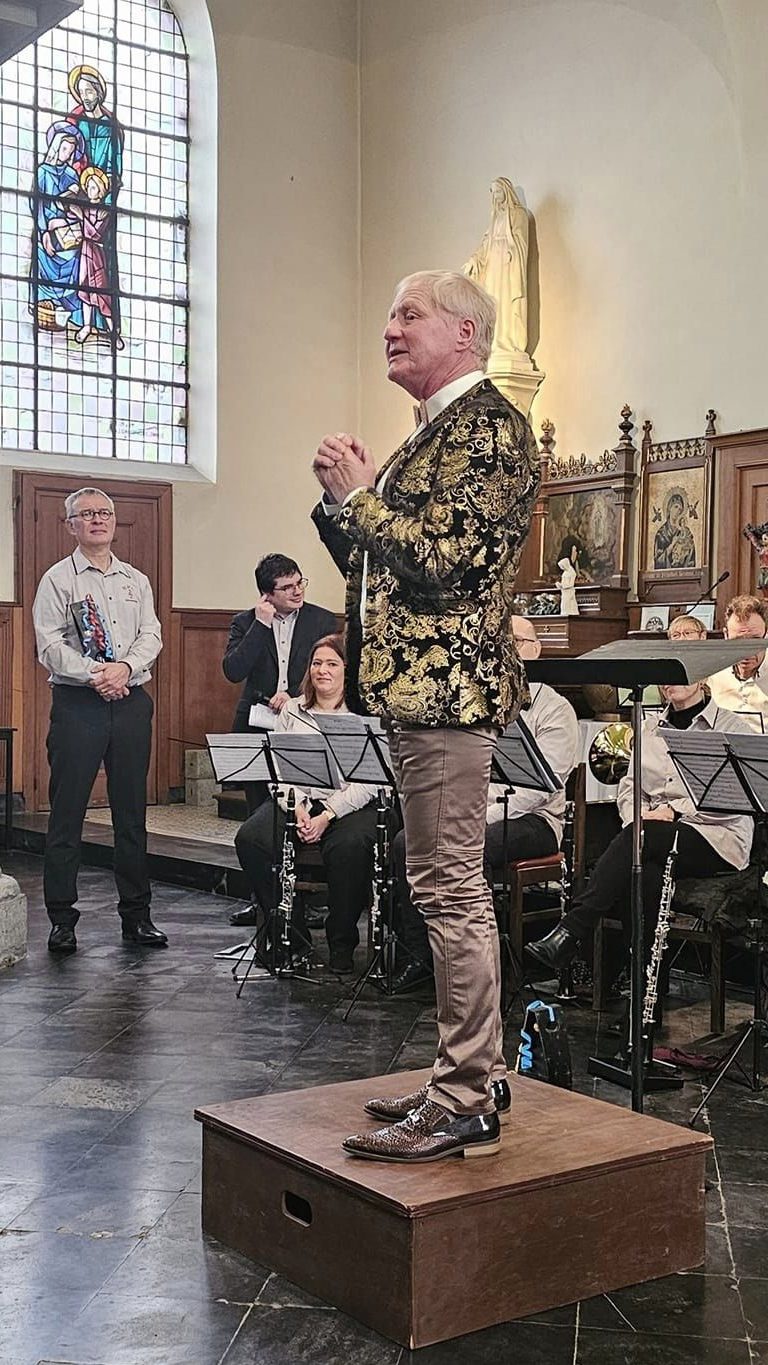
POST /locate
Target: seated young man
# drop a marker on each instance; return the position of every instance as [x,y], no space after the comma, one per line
[707,843]
[534,818]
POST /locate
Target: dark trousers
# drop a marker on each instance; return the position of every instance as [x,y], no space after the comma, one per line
[609,886]
[86,731]
[528,836]
[347,849]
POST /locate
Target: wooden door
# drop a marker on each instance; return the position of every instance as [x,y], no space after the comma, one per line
[143,539]
[741,481]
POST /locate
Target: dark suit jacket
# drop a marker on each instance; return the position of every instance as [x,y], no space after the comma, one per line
[251,655]
[443,540]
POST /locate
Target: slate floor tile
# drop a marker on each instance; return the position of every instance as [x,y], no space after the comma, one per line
[312,1336]
[159,1330]
[195,1267]
[635,1348]
[691,1305]
[95,1213]
[533,1343]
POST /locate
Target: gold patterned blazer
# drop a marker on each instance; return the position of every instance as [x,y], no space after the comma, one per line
[441,545]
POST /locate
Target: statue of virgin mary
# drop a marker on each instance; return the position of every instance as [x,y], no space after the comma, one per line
[500,265]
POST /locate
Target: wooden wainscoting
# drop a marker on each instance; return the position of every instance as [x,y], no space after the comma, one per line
[202,700]
[11,690]
[741,471]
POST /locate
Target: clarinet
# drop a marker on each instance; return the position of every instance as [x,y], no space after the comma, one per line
[380,855]
[653,970]
[565,988]
[288,876]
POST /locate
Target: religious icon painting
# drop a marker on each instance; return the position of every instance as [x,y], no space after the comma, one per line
[93,254]
[675,517]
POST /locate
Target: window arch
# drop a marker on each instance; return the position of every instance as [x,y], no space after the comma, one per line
[94,306]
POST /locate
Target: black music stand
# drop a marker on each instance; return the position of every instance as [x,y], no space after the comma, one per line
[517,761]
[361,752]
[729,775]
[636,664]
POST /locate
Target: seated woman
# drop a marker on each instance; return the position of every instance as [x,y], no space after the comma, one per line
[707,843]
[341,823]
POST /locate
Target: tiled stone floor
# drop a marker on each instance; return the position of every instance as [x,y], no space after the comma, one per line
[102,1262]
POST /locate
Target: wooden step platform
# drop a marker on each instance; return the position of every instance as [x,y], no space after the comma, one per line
[582,1198]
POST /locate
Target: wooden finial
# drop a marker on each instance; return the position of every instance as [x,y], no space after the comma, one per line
[625,427]
[647,442]
[547,436]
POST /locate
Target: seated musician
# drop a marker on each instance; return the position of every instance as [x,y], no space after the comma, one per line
[686,627]
[707,843]
[744,686]
[340,823]
[534,818]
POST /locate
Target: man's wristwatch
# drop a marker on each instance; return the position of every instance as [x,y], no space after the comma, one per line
[326,810]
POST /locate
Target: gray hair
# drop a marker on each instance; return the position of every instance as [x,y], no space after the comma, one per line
[460,297]
[70,503]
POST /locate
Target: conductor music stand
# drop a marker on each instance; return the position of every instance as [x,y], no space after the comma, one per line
[637,664]
[729,775]
[359,747]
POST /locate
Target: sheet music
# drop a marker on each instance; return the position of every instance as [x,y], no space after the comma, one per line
[303,760]
[356,742]
[751,754]
[239,758]
[703,761]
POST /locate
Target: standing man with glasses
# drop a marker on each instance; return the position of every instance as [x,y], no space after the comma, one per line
[744,686]
[98,635]
[268,650]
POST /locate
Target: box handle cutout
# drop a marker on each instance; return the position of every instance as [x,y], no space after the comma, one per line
[297,1209]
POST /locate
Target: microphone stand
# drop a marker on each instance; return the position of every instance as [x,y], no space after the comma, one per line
[707,593]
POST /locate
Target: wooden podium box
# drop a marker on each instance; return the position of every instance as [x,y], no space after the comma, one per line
[583,1197]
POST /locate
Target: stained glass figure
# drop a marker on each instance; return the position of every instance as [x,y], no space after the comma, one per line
[93,242]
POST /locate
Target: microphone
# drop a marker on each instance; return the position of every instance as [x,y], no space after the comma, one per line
[707,592]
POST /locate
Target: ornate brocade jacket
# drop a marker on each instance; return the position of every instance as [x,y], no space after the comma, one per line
[443,541]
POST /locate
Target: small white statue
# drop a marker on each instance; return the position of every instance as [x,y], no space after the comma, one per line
[500,265]
[569,602]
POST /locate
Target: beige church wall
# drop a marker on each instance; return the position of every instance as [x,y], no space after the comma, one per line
[287,293]
[636,130]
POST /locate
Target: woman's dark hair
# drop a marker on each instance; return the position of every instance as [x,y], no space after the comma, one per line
[569,543]
[334,642]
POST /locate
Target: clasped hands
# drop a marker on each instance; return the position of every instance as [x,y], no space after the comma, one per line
[311,828]
[342,464]
[658,813]
[111,680]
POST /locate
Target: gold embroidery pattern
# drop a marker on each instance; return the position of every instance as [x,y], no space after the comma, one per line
[443,543]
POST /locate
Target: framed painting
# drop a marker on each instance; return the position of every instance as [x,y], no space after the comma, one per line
[675,516]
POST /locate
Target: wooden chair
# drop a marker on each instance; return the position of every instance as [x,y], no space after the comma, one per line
[510,911]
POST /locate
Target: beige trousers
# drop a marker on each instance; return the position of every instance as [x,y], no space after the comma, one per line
[442,779]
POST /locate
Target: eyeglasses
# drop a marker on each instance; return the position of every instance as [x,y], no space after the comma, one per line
[291,587]
[92,513]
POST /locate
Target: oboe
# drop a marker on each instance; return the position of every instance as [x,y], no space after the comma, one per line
[565,989]
[288,876]
[653,970]
[380,859]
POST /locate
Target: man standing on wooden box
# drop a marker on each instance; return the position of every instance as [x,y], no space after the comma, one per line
[98,634]
[430,546]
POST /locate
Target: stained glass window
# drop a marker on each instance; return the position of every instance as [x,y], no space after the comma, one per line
[93,236]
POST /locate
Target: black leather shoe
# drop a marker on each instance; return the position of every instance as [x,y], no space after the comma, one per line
[502,1098]
[145,934]
[243,917]
[342,963]
[398,1107]
[415,974]
[62,939]
[553,952]
[428,1134]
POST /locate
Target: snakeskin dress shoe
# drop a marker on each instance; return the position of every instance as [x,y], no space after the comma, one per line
[428,1134]
[398,1107]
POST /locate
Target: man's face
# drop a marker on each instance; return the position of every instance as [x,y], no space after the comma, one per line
[423,344]
[751,628]
[92,523]
[88,93]
[288,593]
[527,643]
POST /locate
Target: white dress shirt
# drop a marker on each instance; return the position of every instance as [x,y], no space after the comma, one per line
[552,722]
[294,717]
[662,785]
[282,629]
[746,696]
[124,598]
